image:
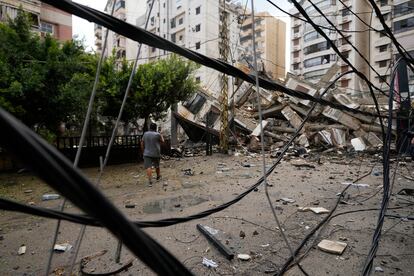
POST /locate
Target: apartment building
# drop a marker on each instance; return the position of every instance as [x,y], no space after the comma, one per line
[270,37]
[312,56]
[118,45]
[192,24]
[45,19]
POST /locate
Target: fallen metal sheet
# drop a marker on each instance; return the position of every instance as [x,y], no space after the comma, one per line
[196,132]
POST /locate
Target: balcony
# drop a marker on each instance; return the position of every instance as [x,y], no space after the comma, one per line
[345,48]
[295,48]
[345,19]
[296,60]
[296,35]
[296,23]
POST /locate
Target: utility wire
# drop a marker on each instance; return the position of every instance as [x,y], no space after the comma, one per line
[81,140]
[259,106]
[386,182]
[111,141]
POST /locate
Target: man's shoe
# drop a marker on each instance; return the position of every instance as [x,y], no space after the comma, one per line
[149,183]
[158,177]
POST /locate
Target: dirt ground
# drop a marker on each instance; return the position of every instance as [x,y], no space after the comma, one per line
[247,227]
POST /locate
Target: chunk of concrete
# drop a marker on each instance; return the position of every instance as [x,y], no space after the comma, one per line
[358,144]
[334,247]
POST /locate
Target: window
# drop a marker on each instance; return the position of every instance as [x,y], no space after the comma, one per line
[346,54]
[317,47]
[198,10]
[383,48]
[153,49]
[345,26]
[46,27]
[172,23]
[296,42]
[163,21]
[382,79]
[198,79]
[195,104]
[173,39]
[152,20]
[320,4]
[180,38]
[325,59]
[404,8]
[383,2]
[382,34]
[382,63]
[163,5]
[315,75]
[197,45]
[344,83]
[181,21]
[245,38]
[296,66]
[178,3]
[404,25]
[296,30]
[119,4]
[311,36]
[198,27]
[296,54]
[346,12]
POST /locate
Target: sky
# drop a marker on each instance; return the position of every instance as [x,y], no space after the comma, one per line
[84,30]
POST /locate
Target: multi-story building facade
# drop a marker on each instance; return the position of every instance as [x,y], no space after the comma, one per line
[312,56]
[270,43]
[191,24]
[118,45]
[44,18]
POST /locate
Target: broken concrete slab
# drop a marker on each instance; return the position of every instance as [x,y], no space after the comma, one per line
[342,117]
[22,250]
[334,247]
[358,144]
[294,119]
[257,130]
[346,101]
[316,210]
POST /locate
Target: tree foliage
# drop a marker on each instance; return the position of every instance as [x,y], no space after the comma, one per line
[42,82]
[155,88]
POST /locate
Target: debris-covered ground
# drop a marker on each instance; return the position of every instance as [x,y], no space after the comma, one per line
[193,184]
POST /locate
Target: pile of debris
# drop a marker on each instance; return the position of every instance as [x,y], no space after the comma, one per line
[282,114]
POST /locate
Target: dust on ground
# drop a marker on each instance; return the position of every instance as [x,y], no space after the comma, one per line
[193,184]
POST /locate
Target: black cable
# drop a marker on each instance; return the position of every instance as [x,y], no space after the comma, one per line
[56,170]
[148,38]
[386,181]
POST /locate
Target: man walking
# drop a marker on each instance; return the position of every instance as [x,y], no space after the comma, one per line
[151,147]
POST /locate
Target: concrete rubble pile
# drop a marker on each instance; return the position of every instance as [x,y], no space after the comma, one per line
[282,114]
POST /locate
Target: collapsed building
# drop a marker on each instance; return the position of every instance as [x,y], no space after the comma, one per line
[282,115]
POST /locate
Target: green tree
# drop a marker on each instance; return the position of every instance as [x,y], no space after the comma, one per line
[43,82]
[156,87]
